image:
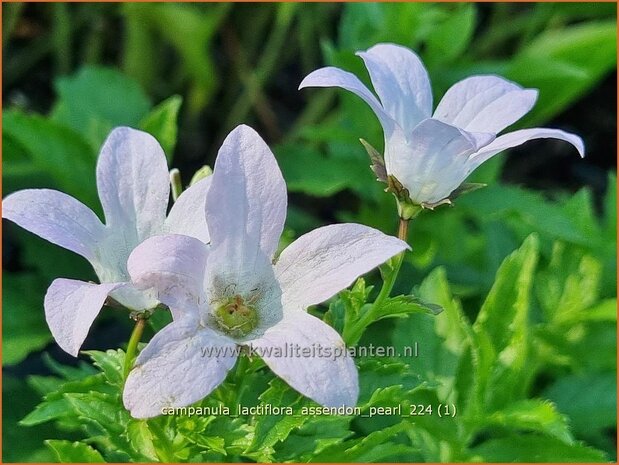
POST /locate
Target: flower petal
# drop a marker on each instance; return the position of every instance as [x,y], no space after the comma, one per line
[181,364]
[401,82]
[133,184]
[516,138]
[173,266]
[246,205]
[328,375]
[326,260]
[70,308]
[335,77]
[187,214]
[485,104]
[432,162]
[56,217]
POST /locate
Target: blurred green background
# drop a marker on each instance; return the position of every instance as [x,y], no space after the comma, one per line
[189,73]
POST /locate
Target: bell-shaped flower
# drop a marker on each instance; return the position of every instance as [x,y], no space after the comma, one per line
[432,154]
[232,293]
[133,186]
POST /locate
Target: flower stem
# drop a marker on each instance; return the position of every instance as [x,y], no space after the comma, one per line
[240,377]
[136,335]
[353,336]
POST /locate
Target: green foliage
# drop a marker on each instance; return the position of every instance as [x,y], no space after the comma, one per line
[95,100]
[23,329]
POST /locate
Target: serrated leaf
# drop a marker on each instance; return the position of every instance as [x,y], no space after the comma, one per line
[376,446]
[110,363]
[71,452]
[270,429]
[533,415]
[141,438]
[502,331]
[97,407]
[569,284]
[534,448]
[404,305]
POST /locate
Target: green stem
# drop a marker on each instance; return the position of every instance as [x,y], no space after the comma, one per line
[353,336]
[239,376]
[136,335]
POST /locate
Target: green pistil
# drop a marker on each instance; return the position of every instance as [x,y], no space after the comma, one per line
[235,317]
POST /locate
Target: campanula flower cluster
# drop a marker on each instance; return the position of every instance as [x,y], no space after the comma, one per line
[212,259]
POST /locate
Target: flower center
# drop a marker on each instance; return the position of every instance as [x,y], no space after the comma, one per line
[235,316]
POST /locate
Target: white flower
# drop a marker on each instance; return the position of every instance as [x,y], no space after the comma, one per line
[432,154]
[230,293]
[133,185]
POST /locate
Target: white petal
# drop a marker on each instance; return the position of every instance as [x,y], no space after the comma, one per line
[136,299]
[181,364]
[401,82]
[133,184]
[335,77]
[516,138]
[432,163]
[246,205]
[485,104]
[173,266]
[71,307]
[326,260]
[328,375]
[56,217]
[187,215]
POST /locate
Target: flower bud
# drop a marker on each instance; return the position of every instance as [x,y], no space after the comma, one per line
[202,173]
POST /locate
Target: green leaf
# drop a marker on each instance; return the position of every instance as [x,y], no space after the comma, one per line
[533,448]
[564,63]
[533,415]
[451,37]
[162,123]
[501,347]
[141,438]
[71,452]
[59,151]
[98,407]
[503,315]
[328,175]
[404,305]
[96,99]
[270,429]
[24,329]
[375,447]
[589,400]
[440,338]
[21,444]
[569,285]
[110,363]
[346,309]
[192,44]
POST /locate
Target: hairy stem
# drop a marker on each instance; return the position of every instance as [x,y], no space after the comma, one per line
[135,338]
